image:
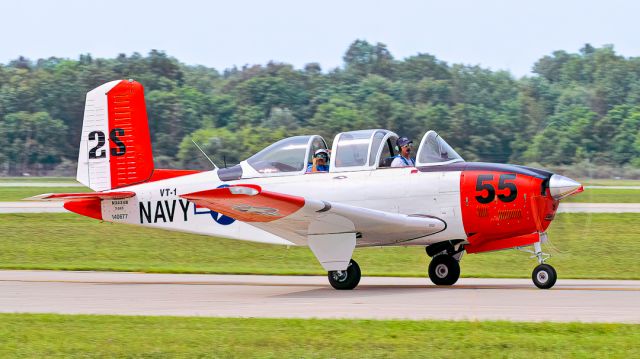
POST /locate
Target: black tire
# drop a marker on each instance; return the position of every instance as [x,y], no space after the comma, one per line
[347,279]
[444,270]
[544,276]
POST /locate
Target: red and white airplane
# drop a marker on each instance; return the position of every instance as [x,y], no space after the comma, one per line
[445,204]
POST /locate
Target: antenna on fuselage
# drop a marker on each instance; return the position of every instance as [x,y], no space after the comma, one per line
[205,155]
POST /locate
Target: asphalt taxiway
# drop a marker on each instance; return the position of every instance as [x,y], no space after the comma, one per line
[311,297]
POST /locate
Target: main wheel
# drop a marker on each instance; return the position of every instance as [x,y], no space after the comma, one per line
[544,276]
[444,270]
[345,279]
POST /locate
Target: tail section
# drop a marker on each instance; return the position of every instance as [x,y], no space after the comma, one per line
[115,148]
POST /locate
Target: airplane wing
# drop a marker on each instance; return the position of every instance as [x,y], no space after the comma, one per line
[327,227]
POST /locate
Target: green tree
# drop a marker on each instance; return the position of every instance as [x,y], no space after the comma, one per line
[31,141]
[362,59]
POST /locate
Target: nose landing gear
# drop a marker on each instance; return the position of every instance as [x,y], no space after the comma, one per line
[544,276]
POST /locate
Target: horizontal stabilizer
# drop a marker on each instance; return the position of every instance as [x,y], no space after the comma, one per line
[77,196]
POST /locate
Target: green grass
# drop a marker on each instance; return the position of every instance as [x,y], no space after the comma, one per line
[583,246]
[8,194]
[73,336]
[604,195]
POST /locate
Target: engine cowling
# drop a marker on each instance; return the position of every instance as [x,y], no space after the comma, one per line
[508,206]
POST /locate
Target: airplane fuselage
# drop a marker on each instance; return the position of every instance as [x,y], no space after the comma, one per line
[408,190]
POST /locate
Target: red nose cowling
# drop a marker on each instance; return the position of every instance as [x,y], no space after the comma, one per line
[504,209]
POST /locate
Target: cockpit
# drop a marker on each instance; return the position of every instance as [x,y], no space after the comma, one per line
[363,150]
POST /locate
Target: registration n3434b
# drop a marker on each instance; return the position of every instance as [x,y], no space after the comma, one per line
[443,203]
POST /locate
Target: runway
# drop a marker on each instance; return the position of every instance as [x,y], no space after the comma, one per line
[599,208]
[312,297]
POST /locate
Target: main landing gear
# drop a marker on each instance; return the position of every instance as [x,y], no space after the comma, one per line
[444,268]
[345,279]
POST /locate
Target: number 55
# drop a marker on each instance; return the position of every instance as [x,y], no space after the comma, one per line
[482,184]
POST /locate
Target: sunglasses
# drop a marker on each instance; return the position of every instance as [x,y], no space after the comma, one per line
[323,156]
[408,145]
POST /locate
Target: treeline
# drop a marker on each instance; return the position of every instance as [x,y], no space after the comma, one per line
[578,107]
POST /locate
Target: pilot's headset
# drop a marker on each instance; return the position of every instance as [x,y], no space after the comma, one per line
[402,141]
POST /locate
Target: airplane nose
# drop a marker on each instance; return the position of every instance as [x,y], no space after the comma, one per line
[561,187]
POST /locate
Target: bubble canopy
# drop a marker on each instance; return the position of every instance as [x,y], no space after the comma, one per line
[352,151]
[286,157]
[361,150]
[435,151]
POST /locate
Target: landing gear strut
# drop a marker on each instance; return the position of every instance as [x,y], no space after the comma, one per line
[345,279]
[544,276]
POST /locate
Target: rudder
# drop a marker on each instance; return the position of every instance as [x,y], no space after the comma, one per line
[115,147]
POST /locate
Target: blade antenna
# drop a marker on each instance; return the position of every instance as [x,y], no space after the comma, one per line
[205,155]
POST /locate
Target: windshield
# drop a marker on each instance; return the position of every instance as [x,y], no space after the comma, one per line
[434,149]
[286,155]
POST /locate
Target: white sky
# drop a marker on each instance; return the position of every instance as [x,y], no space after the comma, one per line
[508,35]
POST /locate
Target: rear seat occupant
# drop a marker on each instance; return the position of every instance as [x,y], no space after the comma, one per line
[403,159]
[320,161]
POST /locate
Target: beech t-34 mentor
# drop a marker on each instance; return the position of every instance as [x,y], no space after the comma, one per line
[445,204]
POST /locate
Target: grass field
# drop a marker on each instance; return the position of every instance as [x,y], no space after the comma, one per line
[59,336]
[8,194]
[583,246]
[605,195]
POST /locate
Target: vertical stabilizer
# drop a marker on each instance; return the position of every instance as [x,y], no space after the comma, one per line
[115,147]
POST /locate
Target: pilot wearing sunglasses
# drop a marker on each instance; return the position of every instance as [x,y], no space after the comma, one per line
[320,162]
[403,159]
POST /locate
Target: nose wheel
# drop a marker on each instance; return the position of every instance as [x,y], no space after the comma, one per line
[345,279]
[544,276]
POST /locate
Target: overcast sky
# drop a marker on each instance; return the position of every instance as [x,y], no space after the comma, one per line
[508,35]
